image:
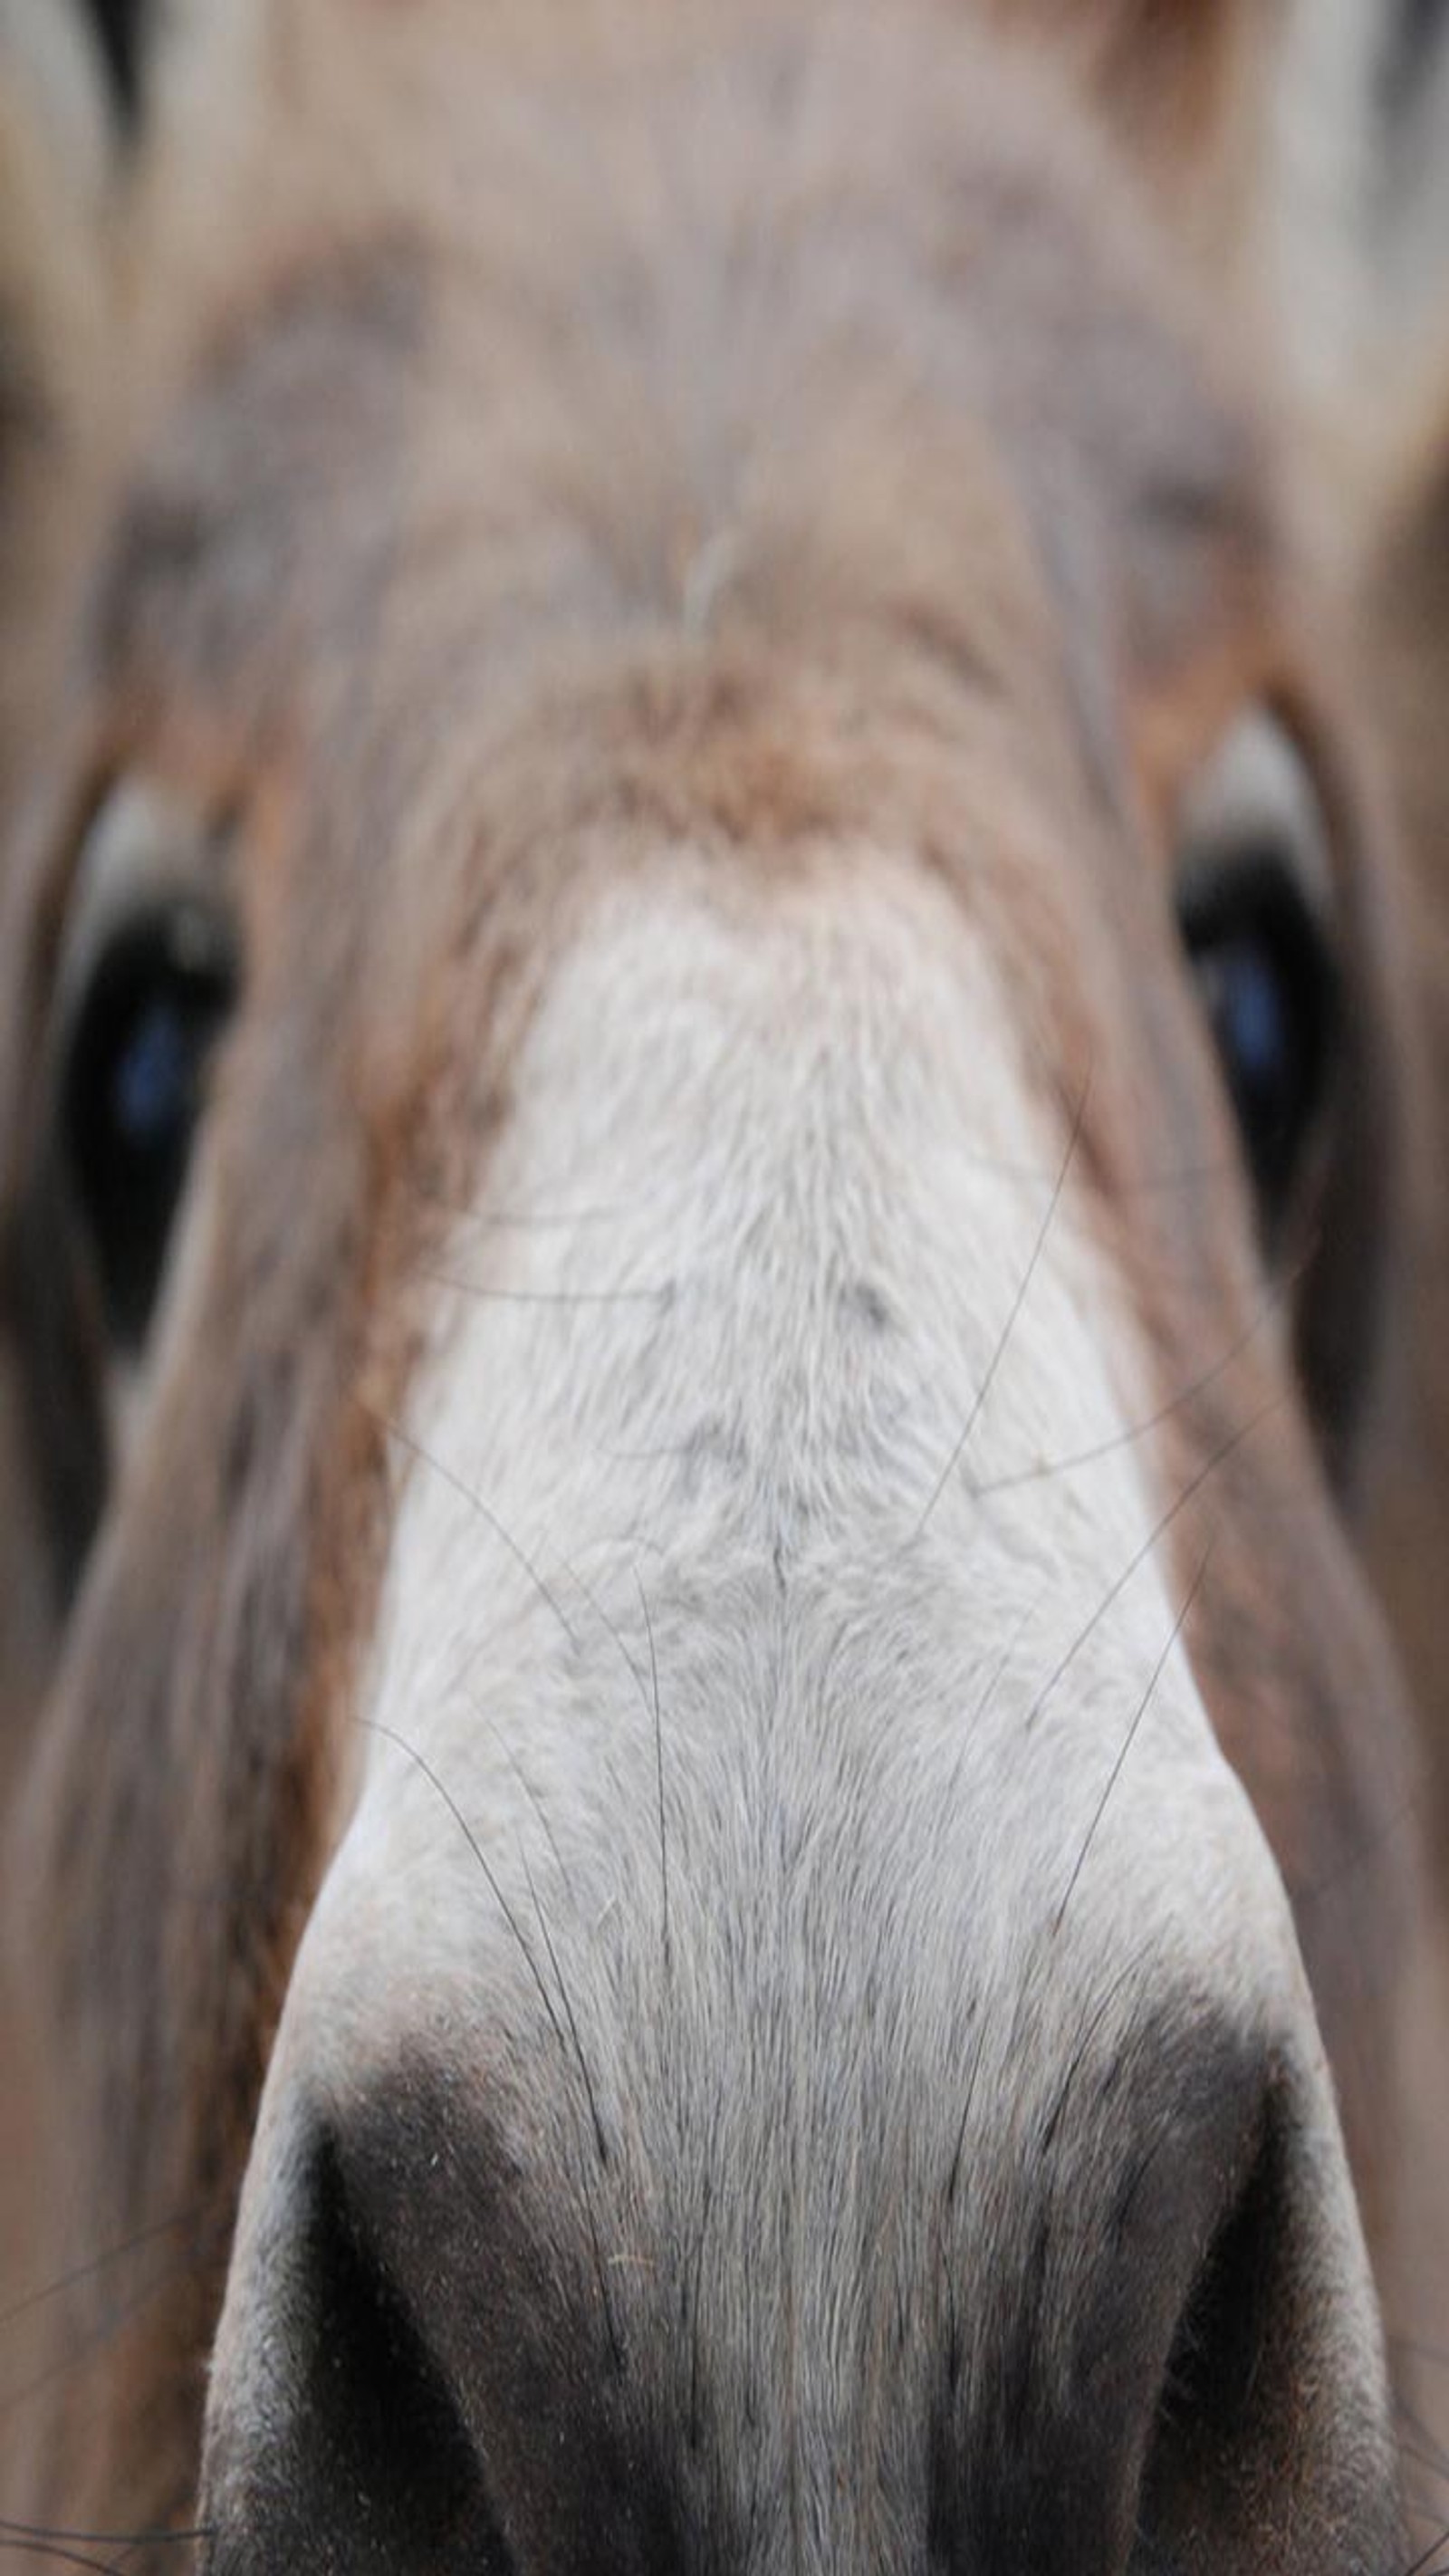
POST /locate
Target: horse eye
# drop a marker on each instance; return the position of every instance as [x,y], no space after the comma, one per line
[1252,895]
[155,997]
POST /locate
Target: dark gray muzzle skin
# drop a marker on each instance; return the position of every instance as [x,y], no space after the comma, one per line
[1129,2368]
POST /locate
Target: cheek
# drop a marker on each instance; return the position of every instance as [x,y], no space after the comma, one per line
[1306,1701]
[26,1580]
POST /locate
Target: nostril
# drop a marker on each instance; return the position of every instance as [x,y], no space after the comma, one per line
[373,2469]
[1214,2404]
[1237,2468]
[382,2408]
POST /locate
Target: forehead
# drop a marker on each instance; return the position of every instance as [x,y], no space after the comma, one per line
[836,337]
[723,428]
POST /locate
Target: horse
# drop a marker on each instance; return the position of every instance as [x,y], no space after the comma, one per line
[713,1852]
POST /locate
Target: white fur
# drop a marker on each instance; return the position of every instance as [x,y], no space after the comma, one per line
[725,1124]
[663,1449]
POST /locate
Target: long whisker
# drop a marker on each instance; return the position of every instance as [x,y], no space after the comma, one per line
[1130,1738]
[1140,1556]
[565,1297]
[1408,1807]
[113,2255]
[1428,2440]
[600,2141]
[1018,1301]
[375,1726]
[658,1764]
[546,1220]
[1043,1470]
[612,1629]
[1420,2566]
[1418,2458]
[58,2555]
[1090,2028]
[994,1679]
[17,2535]
[953,2171]
[107,2332]
[996,1167]
[485,1718]
[649,1700]
[469,1494]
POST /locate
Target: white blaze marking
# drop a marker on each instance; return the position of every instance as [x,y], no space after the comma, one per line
[737,1283]
[739,1280]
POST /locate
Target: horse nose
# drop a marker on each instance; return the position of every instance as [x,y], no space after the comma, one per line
[1174,2369]
[362,2458]
[1135,2340]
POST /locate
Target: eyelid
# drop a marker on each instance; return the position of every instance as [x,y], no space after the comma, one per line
[143,847]
[1257,791]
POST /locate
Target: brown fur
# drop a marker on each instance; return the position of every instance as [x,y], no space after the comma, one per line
[400,577]
[1407,658]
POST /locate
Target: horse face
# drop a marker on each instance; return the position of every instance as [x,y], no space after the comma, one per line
[698,1135]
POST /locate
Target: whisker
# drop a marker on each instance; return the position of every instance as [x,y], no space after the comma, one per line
[1433,2467]
[106,2333]
[658,1764]
[1421,2431]
[649,1457]
[1044,1469]
[1019,1300]
[469,1494]
[1090,2028]
[600,2141]
[485,1718]
[375,1726]
[101,2263]
[649,1700]
[1384,1831]
[993,1683]
[696,2296]
[58,2555]
[611,1626]
[1420,2566]
[1193,1487]
[1028,1176]
[1130,1738]
[565,1297]
[953,2171]
[528,1220]
[18,2534]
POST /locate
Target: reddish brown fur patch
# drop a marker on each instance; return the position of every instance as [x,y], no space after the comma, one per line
[1407,618]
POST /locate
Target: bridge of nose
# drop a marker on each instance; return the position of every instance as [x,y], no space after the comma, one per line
[747,1844]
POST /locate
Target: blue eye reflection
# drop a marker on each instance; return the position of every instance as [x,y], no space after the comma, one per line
[159,995]
[1267,985]
[155,1080]
[1252,1019]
